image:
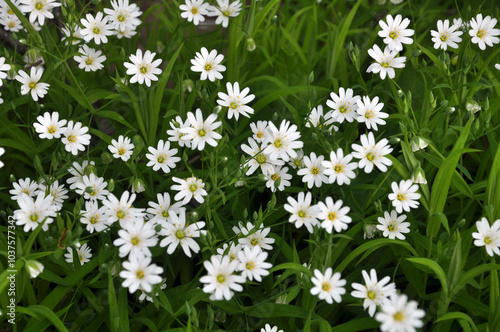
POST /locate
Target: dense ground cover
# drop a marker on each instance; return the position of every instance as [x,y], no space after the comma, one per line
[312,165]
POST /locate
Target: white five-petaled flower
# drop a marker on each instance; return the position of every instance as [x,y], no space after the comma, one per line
[313,171]
[11,23]
[201,131]
[369,112]
[194,10]
[84,254]
[269,328]
[385,62]
[328,286]
[236,101]
[374,292]
[302,212]
[224,11]
[31,83]
[23,187]
[232,249]
[144,68]
[333,215]
[163,157]
[77,171]
[123,16]
[259,130]
[393,226]
[488,236]
[258,238]
[339,168]
[252,263]
[92,187]
[220,280]
[445,35]
[94,217]
[188,189]
[75,137]
[258,158]
[140,273]
[121,210]
[175,134]
[96,28]
[372,154]
[162,211]
[178,233]
[4,68]
[483,31]
[275,175]
[399,314]
[404,196]
[395,32]
[208,64]
[58,193]
[72,33]
[136,238]
[123,148]
[318,119]
[343,105]
[32,212]
[281,143]
[90,59]
[49,126]
[39,9]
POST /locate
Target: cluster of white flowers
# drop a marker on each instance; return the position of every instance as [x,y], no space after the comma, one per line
[196,10]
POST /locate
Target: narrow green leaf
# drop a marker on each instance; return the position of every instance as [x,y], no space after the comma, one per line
[438,270]
[40,310]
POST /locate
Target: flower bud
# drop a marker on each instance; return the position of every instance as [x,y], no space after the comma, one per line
[472,106]
[106,158]
[89,170]
[370,231]
[251,46]
[187,85]
[111,185]
[454,60]
[418,143]
[418,176]
[239,183]
[34,268]
[138,186]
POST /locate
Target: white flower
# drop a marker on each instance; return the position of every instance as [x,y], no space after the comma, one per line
[77,171]
[236,101]
[94,217]
[33,212]
[23,187]
[178,233]
[252,263]
[38,9]
[281,143]
[393,226]
[144,68]
[259,130]
[400,315]
[188,189]
[201,131]
[90,59]
[258,238]
[72,33]
[194,10]
[140,273]
[220,279]
[96,28]
[343,105]
[127,33]
[4,68]
[75,137]
[259,158]
[92,187]
[11,23]
[369,231]
[163,157]
[123,16]
[275,172]
[497,66]
[122,209]
[230,250]
[208,64]
[303,213]
[313,172]
[136,238]
[2,150]
[405,196]
[269,328]
[488,236]
[333,215]
[224,11]
[58,193]
[461,24]
[385,62]
[84,254]
[123,148]
[369,112]
[162,211]
[395,32]
[483,32]
[446,36]
[175,134]
[339,168]
[31,84]
[372,154]
[297,162]
[138,186]
[328,286]
[315,116]
[374,292]
[49,126]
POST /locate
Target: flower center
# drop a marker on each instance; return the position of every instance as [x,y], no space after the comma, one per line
[343,108]
[332,216]
[392,226]
[369,114]
[481,33]
[96,31]
[297,162]
[51,129]
[32,85]
[39,6]
[34,217]
[278,143]
[208,67]
[180,234]
[72,138]
[162,158]
[301,214]
[398,316]
[487,240]
[94,219]
[10,11]
[250,265]
[120,214]
[394,34]
[260,134]
[401,197]
[11,24]
[233,105]
[202,132]
[25,191]
[80,257]
[261,158]
[254,241]
[194,10]
[444,37]
[384,64]
[135,240]
[193,187]
[371,156]
[226,13]
[275,176]
[326,286]
[338,168]
[143,69]
[315,170]
[139,274]
[371,295]
[121,151]
[232,257]
[221,278]
[121,18]
[165,214]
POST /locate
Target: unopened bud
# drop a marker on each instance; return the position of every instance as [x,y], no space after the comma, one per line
[418,143]
[418,176]
[89,170]
[472,106]
[138,186]
[187,85]
[251,46]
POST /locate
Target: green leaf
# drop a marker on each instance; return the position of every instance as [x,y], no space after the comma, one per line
[38,311]
[292,266]
[458,315]
[438,270]
[493,188]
